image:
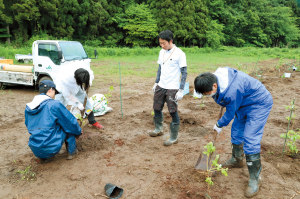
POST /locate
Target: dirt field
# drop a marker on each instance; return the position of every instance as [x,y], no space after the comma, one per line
[124,155]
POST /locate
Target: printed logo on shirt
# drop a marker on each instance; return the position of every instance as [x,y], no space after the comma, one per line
[49,68]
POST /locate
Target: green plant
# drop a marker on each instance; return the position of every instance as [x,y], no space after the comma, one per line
[210,148]
[109,94]
[292,137]
[27,174]
[78,115]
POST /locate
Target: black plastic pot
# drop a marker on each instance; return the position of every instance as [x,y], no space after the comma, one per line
[112,191]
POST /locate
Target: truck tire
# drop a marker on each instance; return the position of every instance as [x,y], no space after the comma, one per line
[44,78]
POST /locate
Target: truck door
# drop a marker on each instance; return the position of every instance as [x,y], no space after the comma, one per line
[47,61]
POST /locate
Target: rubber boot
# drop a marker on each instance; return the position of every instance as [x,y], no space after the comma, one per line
[158,121]
[71,157]
[236,161]
[254,168]
[174,128]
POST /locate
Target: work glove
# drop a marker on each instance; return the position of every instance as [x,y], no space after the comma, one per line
[80,107]
[179,95]
[218,129]
[154,87]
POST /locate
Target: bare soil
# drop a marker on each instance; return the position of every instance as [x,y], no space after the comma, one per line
[124,155]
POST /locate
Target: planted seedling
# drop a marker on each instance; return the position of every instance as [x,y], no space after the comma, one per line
[27,174]
[291,135]
[78,115]
[202,102]
[210,148]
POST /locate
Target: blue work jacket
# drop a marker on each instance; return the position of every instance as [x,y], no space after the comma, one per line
[48,122]
[239,93]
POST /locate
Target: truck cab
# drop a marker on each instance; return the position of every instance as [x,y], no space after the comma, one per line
[49,56]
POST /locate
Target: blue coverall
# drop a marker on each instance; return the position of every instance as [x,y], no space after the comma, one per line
[247,101]
[50,125]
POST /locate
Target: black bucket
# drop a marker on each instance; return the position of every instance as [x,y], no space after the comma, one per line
[113,191]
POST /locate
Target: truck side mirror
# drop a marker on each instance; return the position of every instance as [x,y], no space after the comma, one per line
[95,53]
[60,54]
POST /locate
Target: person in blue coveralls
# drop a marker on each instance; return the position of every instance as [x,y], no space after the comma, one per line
[249,103]
[50,124]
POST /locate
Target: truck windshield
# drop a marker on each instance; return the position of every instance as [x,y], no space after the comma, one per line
[72,51]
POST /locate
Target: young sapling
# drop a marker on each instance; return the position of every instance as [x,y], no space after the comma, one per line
[210,148]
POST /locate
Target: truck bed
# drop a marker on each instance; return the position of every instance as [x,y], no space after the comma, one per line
[16,77]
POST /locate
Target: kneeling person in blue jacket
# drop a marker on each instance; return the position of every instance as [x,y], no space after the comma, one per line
[50,124]
[249,103]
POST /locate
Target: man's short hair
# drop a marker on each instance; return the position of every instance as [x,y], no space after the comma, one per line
[47,85]
[166,35]
[204,82]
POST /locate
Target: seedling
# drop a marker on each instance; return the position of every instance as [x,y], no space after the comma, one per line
[214,167]
[78,115]
[27,174]
[292,137]
[290,133]
[202,103]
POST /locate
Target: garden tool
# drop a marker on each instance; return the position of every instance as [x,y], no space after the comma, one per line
[84,104]
[204,161]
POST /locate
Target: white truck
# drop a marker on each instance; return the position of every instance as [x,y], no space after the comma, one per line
[49,56]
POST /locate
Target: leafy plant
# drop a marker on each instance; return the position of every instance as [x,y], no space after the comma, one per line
[27,174]
[292,137]
[210,148]
[78,115]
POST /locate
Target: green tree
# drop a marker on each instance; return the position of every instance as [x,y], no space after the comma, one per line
[214,34]
[139,24]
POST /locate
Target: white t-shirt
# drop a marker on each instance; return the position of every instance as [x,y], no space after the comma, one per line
[170,67]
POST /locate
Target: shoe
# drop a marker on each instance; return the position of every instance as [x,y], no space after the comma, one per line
[159,130]
[254,168]
[236,161]
[174,128]
[71,157]
[43,160]
[98,126]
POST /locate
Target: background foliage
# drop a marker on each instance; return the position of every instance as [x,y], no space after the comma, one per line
[133,23]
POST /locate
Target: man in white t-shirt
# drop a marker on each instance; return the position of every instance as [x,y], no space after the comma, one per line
[172,63]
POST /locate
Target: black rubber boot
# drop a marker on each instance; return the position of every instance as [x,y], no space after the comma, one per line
[254,168]
[158,121]
[236,161]
[174,128]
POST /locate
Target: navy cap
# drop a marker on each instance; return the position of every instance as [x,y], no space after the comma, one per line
[46,85]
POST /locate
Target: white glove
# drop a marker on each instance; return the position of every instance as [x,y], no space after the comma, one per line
[217,129]
[80,107]
[179,95]
[154,87]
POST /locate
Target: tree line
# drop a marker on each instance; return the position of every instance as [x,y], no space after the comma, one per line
[111,23]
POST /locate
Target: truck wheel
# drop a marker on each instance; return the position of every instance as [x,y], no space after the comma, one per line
[26,61]
[44,78]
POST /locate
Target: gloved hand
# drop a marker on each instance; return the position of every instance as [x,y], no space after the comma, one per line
[154,87]
[217,129]
[179,95]
[80,107]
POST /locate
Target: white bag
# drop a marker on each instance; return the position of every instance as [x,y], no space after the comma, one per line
[99,103]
